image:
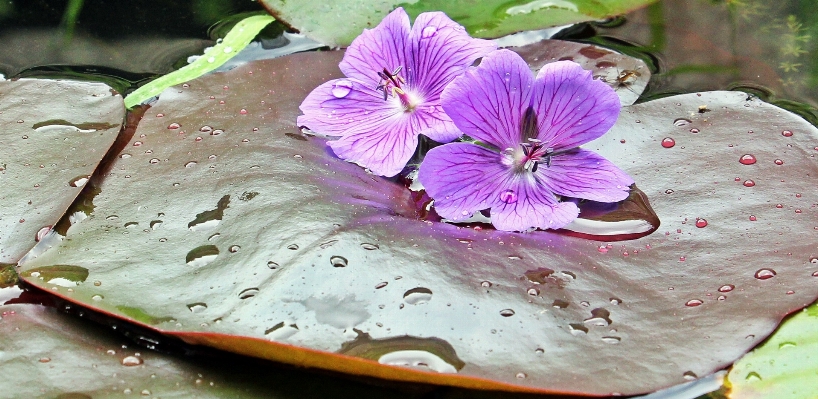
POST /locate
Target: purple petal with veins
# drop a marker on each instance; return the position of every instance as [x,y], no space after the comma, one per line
[536,126]
[395,75]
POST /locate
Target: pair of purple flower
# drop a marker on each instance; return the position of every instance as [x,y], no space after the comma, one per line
[402,81]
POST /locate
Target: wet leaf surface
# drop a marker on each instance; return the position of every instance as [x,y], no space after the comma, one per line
[48,354]
[628,76]
[784,366]
[487,19]
[54,134]
[314,252]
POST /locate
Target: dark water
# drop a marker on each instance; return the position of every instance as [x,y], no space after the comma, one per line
[766,48]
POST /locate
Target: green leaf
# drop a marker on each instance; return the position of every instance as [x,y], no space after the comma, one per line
[785,366]
[236,39]
[337,23]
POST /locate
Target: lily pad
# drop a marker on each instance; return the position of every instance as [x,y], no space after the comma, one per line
[54,135]
[487,19]
[317,257]
[784,366]
[47,354]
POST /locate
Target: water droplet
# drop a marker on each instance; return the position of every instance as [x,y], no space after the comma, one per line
[381,285]
[668,191]
[97,297]
[125,156]
[197,307]
[216,132]
[485,284]
[681,122]
[603,249]
[694,130]
[560,304]
[79,181]
[428,32]
[369,247]
[521,375]
[779,206]
[243,111]
[727,288]
[701,223]
[764,274]
[693,303]
[615,301]
[341,88]
[202,255]
[689,376]
[753,376]
[45,359]
[599,317]
[778,162]
[787,133]
[41,233]
[577,329]
[533,291]
[191,164]
[292,247]
[508,196]
[749,183]
[813,260]
[174,126]
[668,142]
[130,361]
[611,340]
[507,312]
[248,293]
[753,218]
[338,261]
[137,143]
[234,248]
[747,159]
[417,296]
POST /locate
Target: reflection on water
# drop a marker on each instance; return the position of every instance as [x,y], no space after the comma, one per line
[761,47]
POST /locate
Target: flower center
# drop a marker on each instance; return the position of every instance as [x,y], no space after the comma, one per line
[533,153]
[391,83]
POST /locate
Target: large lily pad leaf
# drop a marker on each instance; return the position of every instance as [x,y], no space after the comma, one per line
[785,366]
[54,135]
[246,235]
[47,354]
[488,19]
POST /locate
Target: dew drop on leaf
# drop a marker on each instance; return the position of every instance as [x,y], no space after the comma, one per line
[764,274]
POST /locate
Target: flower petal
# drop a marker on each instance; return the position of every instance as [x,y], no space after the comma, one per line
[585,174]
[442,51]
[436,124]
[463,178]
[572,108]
[523,205]
[338,105]
[488,102]
[385,46]
[384,146]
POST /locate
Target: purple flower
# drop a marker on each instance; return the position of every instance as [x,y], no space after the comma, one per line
[394,77]
[534,126]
